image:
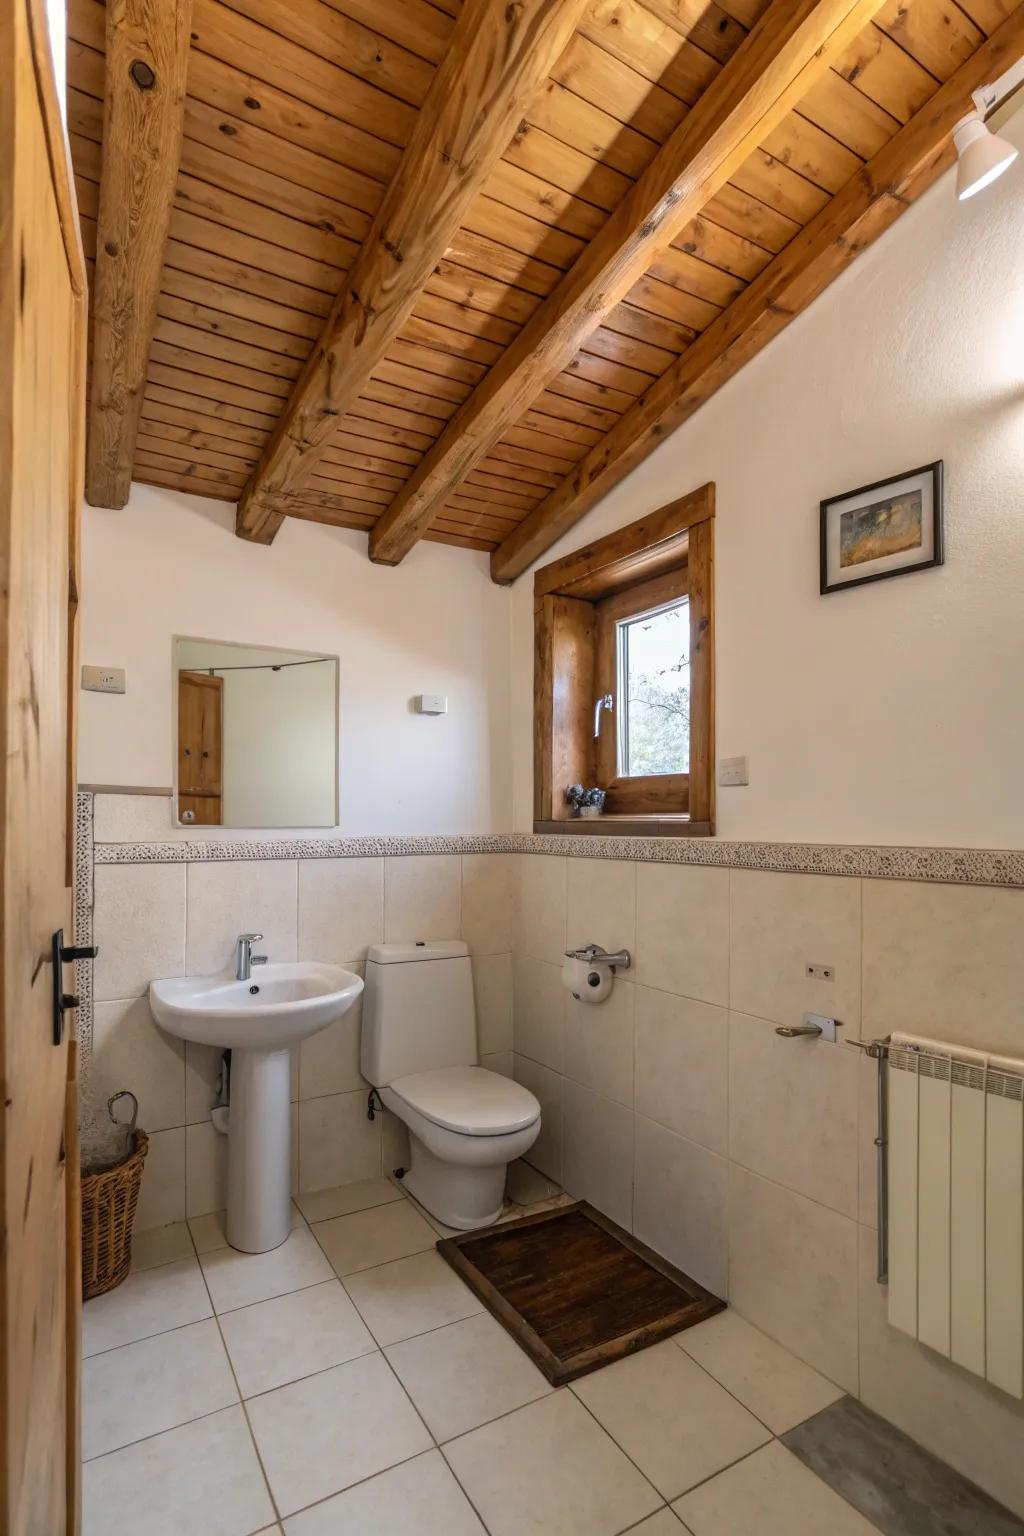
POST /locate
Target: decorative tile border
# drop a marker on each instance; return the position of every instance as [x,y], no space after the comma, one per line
[949,866]
[82,917]
[197,852]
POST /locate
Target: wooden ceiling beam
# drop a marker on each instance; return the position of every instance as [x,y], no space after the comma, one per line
[147,44]
[497,56]
[870,202]
[792,44]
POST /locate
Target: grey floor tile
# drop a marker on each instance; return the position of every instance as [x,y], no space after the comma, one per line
[902,1488]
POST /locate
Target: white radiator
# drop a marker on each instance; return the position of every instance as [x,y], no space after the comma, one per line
[956,1204]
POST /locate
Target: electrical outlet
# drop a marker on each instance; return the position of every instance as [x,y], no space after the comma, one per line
[822,972]
[103,679]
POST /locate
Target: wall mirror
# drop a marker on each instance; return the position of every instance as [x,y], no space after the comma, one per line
[256,730]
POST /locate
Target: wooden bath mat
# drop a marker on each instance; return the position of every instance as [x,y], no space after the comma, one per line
[574,1290]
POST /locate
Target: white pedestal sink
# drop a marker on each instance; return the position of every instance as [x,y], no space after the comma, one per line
[258,1020]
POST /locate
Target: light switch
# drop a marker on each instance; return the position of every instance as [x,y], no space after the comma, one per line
[733,770]
[431,704]
[103,679]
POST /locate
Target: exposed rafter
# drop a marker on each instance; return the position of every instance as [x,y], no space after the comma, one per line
[497,57]
[870,202]
[147,44]
[791,46]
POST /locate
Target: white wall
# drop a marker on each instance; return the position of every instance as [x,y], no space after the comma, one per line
[170,564]
[893,713]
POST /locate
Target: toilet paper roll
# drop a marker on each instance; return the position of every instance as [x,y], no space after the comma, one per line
[588,982]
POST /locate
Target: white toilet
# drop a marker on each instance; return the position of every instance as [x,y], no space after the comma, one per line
[418,1050]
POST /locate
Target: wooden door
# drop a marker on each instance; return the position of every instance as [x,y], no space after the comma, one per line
[200,747]
[42,377]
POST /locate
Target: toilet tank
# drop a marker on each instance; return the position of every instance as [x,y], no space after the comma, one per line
[418,1010]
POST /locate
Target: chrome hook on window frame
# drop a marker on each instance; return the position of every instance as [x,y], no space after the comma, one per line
[606,701]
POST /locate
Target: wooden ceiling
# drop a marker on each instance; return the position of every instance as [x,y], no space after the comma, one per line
[450,268]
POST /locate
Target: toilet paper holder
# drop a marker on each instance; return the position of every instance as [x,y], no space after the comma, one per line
[592,954]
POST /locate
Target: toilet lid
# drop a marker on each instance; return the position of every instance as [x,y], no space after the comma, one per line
[469,1099]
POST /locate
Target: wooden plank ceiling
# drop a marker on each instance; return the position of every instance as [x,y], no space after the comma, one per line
[491,399]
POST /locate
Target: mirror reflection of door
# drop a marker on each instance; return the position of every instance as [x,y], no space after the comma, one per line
[200,748]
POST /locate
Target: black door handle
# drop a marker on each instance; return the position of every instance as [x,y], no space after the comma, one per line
[61,954]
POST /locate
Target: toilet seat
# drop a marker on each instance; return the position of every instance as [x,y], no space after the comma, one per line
[468,1100]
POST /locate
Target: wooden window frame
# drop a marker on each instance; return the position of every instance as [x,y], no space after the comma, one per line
[578,602]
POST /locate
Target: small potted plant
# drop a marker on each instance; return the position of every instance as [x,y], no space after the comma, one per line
[585,802]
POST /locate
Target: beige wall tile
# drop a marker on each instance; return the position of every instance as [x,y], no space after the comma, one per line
[501,1062]
[793,1111]
[487,902]
[867,1112]
[202,1069]
[540,907]
[945,961]
[162,1195]
[139,925]
[492,992]
[792,1273]
[247,896]
[782,923]
[337,1143]
[597,1156]
[680,1203]
[206,1169]
[683,930]
[329,1061]
[422,897]
[546,1086]
[129,1051]
[135,819]
[682,1065]
[601,904]
[394,1140]
[599,1043]
[969,1424]
[539,1014]
[341,908]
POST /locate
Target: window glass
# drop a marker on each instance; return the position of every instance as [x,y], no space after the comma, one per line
[654,691]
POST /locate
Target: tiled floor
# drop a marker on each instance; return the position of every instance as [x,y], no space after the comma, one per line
[349,1383]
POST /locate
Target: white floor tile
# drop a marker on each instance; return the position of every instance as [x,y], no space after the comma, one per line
[239,1279]
[372,1237]
[678,1425]
[466,1374]
[549,1468]
[410,1296]
[771,1382]
[209,1232]
[142,1389]
[278,1341]
[203,1479]
[319,1435]
[773,1494]
[150,1301]
[419,1498]
[323,1204]
[161,1245]
[664,1523]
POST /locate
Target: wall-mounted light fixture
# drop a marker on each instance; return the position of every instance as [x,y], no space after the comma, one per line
[981,155]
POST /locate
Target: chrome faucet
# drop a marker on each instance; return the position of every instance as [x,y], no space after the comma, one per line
[244,957]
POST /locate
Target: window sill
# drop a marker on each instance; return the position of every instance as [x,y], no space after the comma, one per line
[626,826]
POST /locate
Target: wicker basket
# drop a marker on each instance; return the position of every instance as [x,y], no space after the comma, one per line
[108,1212]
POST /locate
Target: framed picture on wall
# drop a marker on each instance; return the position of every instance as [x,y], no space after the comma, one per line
[885,529]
